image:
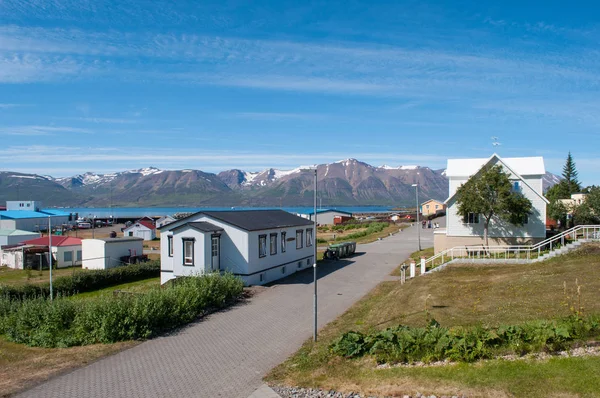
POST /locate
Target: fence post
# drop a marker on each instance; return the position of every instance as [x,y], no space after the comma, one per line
[413,268]
[423,265]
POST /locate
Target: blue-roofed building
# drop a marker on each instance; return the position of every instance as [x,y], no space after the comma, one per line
[28,220]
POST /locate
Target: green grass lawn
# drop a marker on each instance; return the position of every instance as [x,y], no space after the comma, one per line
[462,295]
[131,287]
[9,276]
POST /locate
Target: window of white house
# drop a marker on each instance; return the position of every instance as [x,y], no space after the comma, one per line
[471,218]
[68,257]
[79,255]
[283,270]
[170,244]
[526,219]
[262,245]
[299,234]
[309,237]
[516,186]
[273,244]
[283,242]
[188,251]
[130,233]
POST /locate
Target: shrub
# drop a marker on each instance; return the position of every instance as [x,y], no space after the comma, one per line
[84,281]
[405,344]
[108,319]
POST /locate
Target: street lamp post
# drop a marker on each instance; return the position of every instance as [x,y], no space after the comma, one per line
[315,257]
[50,255]
[418,223]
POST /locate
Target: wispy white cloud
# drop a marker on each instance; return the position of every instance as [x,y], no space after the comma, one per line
[99,120]
[41,130]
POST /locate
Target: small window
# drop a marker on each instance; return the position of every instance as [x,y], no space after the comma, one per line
[471,218]
[79,255]
[188,251]
[308,261]
[68,257]
[427,206]
[283,270]
[170,244]
[262,245]
[299,264]
[299,234]
[214,246]
[273,244]
[130,233]
[28,204]
[516,186]
[309,237]
[283,242]
[262,276]
[437,206]
[526,219]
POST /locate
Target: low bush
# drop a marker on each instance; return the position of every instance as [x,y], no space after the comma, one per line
[372,228]
[85,281]
[107,319]
[403,344]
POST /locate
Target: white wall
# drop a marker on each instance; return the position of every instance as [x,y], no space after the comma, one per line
[30,205]
[58,255]
[326,218]
[238,253]
[29,224]
[12,259]
[535,228]
[100,254]
[140,231]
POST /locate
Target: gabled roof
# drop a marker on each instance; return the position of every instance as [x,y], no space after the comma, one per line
[432,200]
[319,211]
[521,166]
[16,232]
[249,220]
[56,241]
[201,226]
[501,161]
[143,222]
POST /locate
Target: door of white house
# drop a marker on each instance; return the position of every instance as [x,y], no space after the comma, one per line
[214,250]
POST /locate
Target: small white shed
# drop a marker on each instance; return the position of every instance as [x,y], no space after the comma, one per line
[107,253]
[144,229]
[15,236]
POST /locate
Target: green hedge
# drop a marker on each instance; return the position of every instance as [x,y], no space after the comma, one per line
[403,344]
[84,281]
[108,319]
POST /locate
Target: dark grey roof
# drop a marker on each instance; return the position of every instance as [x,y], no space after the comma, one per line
[257,220]
[200,226]
[121,239]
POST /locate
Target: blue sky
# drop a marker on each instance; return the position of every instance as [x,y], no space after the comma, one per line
[105,86]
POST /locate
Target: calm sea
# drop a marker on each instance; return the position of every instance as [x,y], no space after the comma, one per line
[127,212]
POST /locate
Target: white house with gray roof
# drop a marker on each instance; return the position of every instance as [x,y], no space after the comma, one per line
[260,246]
[525,175]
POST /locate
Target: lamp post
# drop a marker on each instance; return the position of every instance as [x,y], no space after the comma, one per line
[315,257]
[315,250]
[418,223]
[50,255]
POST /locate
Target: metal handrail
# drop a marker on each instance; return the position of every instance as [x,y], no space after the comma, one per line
[575,233]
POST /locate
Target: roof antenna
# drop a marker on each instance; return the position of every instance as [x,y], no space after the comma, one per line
[495,141]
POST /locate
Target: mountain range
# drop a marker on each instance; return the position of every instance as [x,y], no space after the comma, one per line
[347,182]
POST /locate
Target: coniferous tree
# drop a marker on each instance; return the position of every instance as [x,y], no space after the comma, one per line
[570,175]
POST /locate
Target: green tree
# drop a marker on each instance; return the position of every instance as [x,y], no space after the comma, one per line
[490,194]
[556,210]
[589,211]
[570,175]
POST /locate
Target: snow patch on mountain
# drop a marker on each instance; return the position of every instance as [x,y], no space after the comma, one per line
[412,167]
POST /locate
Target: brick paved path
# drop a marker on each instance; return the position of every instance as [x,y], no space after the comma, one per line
[228,353]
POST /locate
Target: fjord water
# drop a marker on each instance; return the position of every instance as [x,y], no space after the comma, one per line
[131,212]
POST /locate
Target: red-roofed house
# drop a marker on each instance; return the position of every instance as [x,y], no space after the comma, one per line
[66,250]
[142,228]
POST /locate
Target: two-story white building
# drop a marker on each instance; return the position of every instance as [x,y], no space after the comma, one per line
[525,175]
[260,246]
